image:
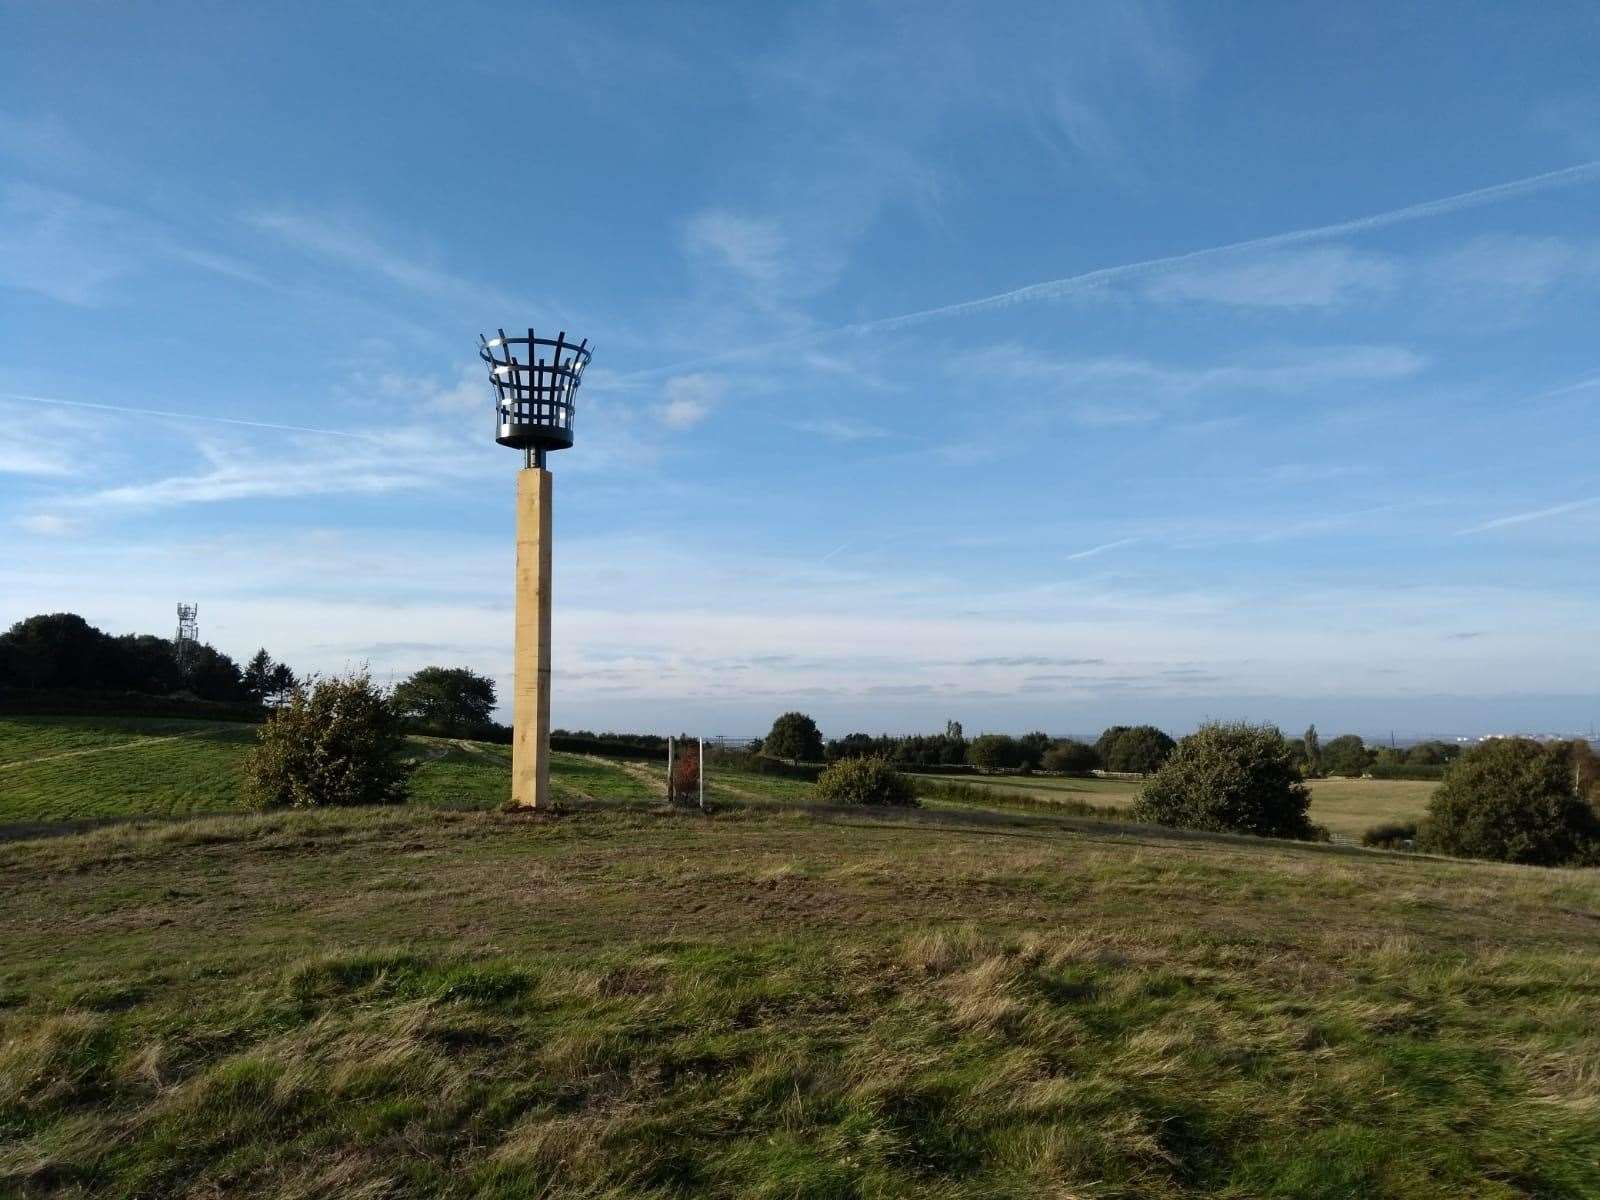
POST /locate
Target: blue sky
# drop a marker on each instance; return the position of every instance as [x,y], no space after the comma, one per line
[952,360]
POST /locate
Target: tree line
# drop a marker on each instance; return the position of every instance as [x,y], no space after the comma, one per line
[63,652]
[1130,749]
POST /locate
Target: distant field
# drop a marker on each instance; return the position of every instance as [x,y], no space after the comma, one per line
[1348,807]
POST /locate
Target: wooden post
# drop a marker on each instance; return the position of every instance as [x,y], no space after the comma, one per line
[530,709]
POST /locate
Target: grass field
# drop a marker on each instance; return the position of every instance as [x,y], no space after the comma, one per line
[416,1002]
[72,768]
[440,999]
[1348,807]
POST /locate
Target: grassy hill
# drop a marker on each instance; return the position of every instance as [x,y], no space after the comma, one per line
[439,1000]
[84,768]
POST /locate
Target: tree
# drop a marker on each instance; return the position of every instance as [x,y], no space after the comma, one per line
[212,675]
[794,736]
[994,751]
[452,700]
[281,682]
[336,742]
[1235,778]
[1346,755]
[852,745]
[1071,757]
[952,730]
[53,650]
[872,780]
[1512,800]
[258,675]
[1107,739]
[142,662]
[1432,754]
[1138,750]
[1031,748]
[1313,750]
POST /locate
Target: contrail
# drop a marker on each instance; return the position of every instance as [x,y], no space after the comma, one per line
[1094,550]
[1554,510]
[1056,288]
[187,416]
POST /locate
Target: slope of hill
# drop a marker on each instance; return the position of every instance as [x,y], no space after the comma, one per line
[415,1002]
[87,768]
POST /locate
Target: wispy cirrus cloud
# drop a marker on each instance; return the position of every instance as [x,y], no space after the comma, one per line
[841,429]
[75,250]
[1090,282]
[1108,390]
[1321,277]
[355,242]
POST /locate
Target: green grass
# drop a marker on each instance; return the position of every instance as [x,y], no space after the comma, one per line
[425,1002]
[60,769]
[1348,807]
[74,768]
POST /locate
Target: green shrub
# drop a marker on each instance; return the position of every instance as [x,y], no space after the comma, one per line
[1232,778]
[1391,835]
[1512,800]
[865,781]
[337,741]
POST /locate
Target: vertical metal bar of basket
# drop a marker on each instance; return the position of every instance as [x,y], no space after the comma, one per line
[671,761]
[700,774]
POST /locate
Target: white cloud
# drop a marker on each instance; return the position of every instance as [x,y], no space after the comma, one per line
[49,524]
[1315,278]
[406,460]
[1119,390]
[1514,267]
[751,247]
[841,429]
[73,250]
[352,242]
[690,399]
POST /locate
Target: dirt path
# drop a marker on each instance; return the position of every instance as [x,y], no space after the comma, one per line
[136,744]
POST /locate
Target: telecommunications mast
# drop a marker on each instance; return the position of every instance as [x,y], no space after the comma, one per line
[188,632]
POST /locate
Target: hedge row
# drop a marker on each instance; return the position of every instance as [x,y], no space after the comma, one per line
[73,702]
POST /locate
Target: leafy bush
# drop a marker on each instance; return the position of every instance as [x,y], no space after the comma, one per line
[794,736]
[686,777]
[1135,750]
[1234,778]
[1512,800]
[1071,757]
[865,781]
[1391,835]
[994,752]
[337,741]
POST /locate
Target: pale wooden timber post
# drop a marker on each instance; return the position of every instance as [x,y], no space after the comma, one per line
[530,710]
